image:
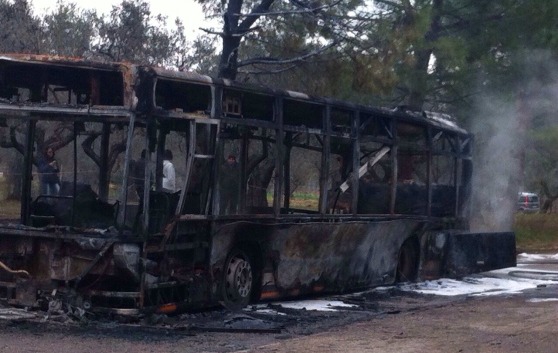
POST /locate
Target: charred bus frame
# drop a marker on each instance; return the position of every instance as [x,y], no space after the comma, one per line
[324,196]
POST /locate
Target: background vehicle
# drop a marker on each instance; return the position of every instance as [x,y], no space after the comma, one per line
[528,202]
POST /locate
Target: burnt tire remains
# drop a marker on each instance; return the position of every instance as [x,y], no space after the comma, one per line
[238,281]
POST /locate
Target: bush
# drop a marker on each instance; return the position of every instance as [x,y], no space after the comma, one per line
[536,232]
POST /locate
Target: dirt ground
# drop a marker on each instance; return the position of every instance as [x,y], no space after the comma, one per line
[479,325]
[390,322]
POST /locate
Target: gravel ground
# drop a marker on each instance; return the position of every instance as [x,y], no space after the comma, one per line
[382,321]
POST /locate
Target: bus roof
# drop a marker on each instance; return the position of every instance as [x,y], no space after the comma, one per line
[440,120]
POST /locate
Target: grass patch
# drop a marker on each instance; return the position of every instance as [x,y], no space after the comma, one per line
[10,209]
[304,200]
[536,232]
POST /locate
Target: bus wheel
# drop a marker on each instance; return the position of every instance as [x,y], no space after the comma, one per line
[407,264]
[239,279]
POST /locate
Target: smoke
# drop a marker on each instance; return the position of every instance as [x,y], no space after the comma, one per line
[498,142]
[503,124]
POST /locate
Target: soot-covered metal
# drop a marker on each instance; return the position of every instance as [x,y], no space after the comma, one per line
[264,194]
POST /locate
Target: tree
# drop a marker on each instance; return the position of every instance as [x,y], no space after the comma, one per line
[201,57]
[439,46]
[543,165]
[20,30]
[537,113]
[258,27]
[68,30]
[133,34]
[529,76]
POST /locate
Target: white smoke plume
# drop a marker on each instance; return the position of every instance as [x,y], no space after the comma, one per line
[502,126]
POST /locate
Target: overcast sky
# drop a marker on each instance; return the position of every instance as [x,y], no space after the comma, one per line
[187,10]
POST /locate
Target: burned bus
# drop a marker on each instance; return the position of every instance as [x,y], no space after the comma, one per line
[276,194]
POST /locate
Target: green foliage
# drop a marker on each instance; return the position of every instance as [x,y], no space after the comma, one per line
[535,25]
[542,159]
[452,52]
[201,57]
[68,30]
[20,30]
[132,33]
[129,33]
[268,37]
[536,232]
[362,50]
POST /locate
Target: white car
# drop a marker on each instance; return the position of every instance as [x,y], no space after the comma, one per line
[528,202]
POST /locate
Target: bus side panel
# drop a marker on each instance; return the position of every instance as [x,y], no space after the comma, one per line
[305,258]
[455,254]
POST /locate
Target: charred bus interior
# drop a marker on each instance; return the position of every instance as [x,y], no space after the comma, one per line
[273,194]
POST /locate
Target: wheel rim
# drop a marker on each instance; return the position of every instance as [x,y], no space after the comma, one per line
[238,281]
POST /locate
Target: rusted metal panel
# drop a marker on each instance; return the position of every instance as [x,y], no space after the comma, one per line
[76,76]
[23,112]
[478,252]
[54,60]
[131,85]
[317,256]
[455,254]
[181,75]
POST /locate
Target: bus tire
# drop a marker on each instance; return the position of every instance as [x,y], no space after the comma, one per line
[239,279]
[407,263]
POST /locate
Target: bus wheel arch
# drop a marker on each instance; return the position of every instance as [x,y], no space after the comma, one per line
[241,276]
[408,261]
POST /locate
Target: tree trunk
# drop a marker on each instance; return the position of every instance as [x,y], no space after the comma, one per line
[418,82]
[228,63]
[256,195]
[233,32]
[14,178]
[549,198]
[547,205]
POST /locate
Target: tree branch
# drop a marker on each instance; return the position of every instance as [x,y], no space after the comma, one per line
[289,12]
[275,61]
[463,24]
[254,162]
[251,18]
[391,3]
[267,71]
[209,31]
[88,149]
[14,142]
[116,150]
[60,139]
